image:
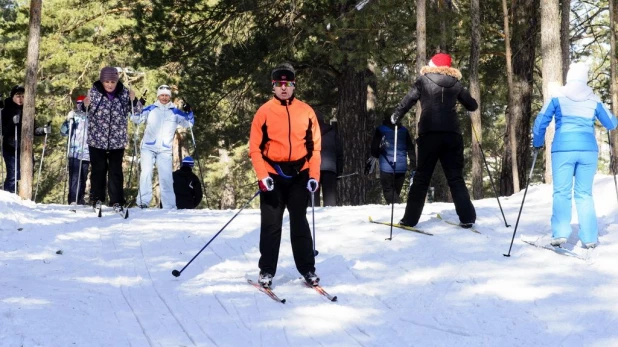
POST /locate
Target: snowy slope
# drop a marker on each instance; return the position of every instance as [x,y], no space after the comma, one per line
[112,284]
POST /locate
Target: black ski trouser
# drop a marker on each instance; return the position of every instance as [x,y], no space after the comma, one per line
[291,194]
[327,188]
[73,176]
[390,182]
[106,165]
[448,148]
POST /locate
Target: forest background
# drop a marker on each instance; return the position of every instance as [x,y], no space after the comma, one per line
[355,60]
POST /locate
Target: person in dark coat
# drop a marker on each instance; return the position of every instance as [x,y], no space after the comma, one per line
[11,136]
[332,163]
[187,187]
[392,174]
[439,136]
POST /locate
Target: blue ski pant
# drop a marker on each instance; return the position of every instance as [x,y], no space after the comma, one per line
[579,168]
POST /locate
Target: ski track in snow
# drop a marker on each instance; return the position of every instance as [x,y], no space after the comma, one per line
[453,288]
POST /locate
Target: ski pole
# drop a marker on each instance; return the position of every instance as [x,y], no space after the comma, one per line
[16,145]
[490,178]
[38,180]
[536,153]
[611,161]
[347,175]
[177,273]
[67,181]
[393,193]
[81,160]
[133,156]
[315,253]
[1,141]
[199,165]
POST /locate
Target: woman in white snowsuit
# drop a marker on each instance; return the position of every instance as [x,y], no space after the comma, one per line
[162,118]
[574,153]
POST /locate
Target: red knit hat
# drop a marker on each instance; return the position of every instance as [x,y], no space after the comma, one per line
[80,98]
[440,59]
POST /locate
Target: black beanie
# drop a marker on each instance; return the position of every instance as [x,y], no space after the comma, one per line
[17,89]
[283,72]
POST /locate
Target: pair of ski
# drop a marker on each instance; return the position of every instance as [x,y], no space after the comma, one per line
[555,249]
[417,230]
[124,212]
[268,291]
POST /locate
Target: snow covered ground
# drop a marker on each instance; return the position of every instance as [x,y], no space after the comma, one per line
[112,285]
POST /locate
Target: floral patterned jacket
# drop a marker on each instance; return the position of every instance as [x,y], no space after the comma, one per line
[108,117]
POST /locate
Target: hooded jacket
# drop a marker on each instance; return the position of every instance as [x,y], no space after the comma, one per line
[108,118]
[439,89]
[575,108]
[79,134]
[8,127]
[162,121]
[382,147]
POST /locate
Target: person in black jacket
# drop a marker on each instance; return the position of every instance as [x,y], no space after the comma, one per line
[187,186]
[331,165]
[392,175]
[11,136]
[439,136]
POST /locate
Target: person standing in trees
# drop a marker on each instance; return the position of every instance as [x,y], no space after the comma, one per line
[162,118]
[439,136]
[76,126]
[331,163]
[109,103]
[392,175]
[574,153]
[187,187]
[11,136]
[284,146]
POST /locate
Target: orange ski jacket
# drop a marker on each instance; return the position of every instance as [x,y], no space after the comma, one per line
[285,132]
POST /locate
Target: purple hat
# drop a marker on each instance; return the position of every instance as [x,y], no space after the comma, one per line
[108,73]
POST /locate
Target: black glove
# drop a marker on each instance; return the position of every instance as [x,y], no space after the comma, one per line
[142,101]
[186,107]
[394,119]
[370,165]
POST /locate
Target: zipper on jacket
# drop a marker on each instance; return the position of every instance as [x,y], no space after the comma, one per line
[289,130]
[442,94]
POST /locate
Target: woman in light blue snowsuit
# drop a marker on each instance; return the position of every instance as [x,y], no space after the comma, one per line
[162,118]
[574,153]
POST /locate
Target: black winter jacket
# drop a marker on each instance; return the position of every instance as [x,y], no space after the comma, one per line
[332,149]
[439,89]
[187,188]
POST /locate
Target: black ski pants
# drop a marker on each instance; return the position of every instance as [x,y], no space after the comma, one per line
[106,165]
[392,184]
[327,188]
[74,174]
[291,194]
[448,148]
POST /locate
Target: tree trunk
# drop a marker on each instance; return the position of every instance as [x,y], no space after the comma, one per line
[27,130]
[352,114]
[421,47]
[565,37]
[227,193]
[509,178]
[475,90]
[552,67]
[613,57]
[525,32]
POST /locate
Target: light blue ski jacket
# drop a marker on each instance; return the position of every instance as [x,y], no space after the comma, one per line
[575,108]
[161,123]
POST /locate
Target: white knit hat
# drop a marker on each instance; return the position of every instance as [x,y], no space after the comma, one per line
[578,72]
[164,89]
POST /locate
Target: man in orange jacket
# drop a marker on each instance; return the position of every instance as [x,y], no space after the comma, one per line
[284,147]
